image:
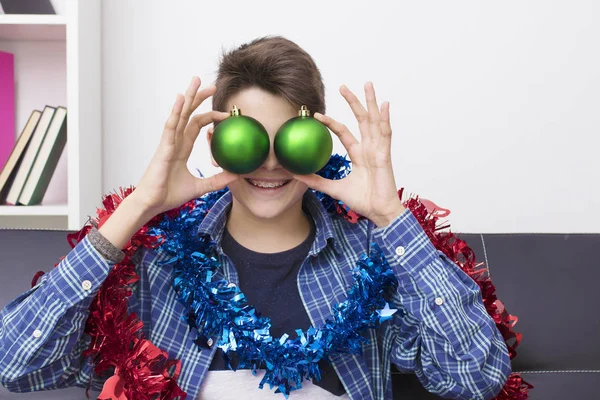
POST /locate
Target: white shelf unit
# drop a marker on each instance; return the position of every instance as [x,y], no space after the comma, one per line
[57,62]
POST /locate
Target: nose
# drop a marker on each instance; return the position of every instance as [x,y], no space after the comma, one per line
[271,163]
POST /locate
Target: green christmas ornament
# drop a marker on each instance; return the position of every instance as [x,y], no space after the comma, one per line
[240,144]
[303,144]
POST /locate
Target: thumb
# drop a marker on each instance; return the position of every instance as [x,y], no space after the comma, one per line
[214,183]
[317,182]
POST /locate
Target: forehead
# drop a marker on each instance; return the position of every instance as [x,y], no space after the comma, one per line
[269,109]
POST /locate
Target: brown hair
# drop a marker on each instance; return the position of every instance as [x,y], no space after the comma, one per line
[274,64]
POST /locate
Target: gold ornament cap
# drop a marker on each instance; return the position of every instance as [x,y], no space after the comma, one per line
[304,112]
[235,111]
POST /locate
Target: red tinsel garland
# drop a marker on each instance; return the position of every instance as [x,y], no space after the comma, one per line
[143,371]
[457,250]
[137,368]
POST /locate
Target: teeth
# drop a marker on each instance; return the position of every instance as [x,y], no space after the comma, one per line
[268,185]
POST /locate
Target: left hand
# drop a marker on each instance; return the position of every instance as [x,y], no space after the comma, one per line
[370,188]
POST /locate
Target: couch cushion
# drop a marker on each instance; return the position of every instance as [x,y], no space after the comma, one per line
[548,386]
[563,385]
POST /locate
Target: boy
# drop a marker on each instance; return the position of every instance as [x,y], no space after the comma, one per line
[276,242]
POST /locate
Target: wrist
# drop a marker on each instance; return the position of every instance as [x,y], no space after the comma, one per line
[384,220]
[137,209]
[124,222]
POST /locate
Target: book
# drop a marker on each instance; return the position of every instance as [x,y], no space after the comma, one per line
[7,105]
[30,154]
[7,173]
[27,6]
[47,158]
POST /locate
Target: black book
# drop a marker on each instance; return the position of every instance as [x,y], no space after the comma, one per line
[27,7]
[46,160]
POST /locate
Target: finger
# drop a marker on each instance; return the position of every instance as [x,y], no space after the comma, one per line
[362,116]
[316,182]
[190,94]
[385,124]
[373,109]
[200,121]
[202,95]
[214,183]
[341,131]
[168,136]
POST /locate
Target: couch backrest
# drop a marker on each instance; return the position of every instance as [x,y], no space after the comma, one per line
[22,254]
[551,283]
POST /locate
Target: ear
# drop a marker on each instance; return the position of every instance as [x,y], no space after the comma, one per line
[209,134]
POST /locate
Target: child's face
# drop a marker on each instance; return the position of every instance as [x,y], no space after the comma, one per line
[271,111]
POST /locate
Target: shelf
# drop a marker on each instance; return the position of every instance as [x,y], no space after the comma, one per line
[58,62]
[32,27]
[41,210]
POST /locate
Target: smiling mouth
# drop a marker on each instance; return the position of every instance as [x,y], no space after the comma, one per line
[268,185]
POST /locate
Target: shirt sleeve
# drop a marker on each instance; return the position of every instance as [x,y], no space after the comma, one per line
[441,331]
[41,331]
[106,249]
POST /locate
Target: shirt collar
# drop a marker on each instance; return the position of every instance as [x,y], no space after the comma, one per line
[213,224]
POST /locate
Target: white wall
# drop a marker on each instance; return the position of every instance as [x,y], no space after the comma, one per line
[495,105]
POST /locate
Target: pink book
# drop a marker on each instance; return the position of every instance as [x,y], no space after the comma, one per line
[7,106]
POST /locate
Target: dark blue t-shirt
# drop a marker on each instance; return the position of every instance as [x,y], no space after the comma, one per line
[269,282]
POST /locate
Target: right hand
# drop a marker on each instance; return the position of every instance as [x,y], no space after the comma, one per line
[167,182]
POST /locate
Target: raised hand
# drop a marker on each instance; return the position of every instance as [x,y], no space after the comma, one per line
[167,183]
[370,189]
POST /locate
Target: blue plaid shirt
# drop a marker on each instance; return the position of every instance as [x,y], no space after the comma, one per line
[441,330]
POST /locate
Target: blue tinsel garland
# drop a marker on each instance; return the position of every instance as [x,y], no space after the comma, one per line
[218,309]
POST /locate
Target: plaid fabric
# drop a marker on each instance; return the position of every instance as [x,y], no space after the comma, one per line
[441,330]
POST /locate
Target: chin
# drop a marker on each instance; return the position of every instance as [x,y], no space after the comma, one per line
[263,211]
[268,204]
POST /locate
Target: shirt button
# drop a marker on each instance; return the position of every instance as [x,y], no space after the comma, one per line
[86,285]
[37,333]
[439,301]
[209,342]
[400,250]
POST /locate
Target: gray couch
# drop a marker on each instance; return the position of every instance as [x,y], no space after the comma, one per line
[550,281]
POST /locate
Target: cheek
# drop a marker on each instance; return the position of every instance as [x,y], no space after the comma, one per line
[300,187]
[296,192]
[237,185]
